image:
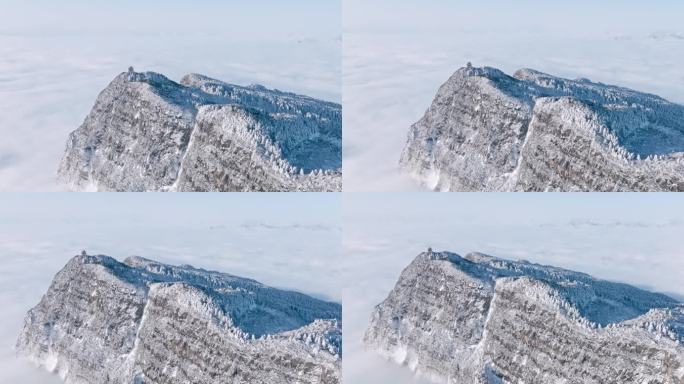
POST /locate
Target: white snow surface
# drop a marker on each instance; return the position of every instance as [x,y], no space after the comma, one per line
[221,136]
[247,316]
[269,237]
[630,238]
[50,74]
[391,74]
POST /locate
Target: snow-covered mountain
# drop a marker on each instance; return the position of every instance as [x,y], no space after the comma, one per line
[148,133]
[487,131]
[482,319]
[140,321]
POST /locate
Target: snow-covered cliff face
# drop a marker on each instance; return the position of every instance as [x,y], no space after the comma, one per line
[148,133]
[480,319]
[487,131]
[139,321]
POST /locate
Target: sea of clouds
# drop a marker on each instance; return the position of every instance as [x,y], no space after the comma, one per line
[49,80]
[289,241]
[630,238]
[393,66]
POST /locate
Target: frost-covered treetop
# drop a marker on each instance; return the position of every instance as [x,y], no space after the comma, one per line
[203,134]
[599,301]
[488,131]
[482,319]
[244,300]
[645,124]
[146,321]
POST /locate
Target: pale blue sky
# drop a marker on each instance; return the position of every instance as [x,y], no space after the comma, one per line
[398,52]
[160,209]
[288,241]
[517,208]
[57,56]
[257,18]
[633,238]
[580,16]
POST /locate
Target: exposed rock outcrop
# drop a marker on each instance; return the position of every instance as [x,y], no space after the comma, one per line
[481,319]
[487,131]
[140,321]
[148,133]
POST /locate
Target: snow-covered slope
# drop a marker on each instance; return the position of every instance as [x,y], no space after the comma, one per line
[140,321]
[481,319]
[487,131]
[148,133]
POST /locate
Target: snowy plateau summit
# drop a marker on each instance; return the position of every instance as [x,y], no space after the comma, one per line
[487,131]
[103,321]
[482,319]
[148,133]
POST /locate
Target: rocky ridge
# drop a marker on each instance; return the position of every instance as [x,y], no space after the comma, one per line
[488,131]
[103,321]
[481,319]
[148,133]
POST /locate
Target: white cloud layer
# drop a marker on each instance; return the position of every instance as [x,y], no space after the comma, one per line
[290,241]
[53,63]
[392,69]
[630,238]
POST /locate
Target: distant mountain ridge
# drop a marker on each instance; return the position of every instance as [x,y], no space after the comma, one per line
[148,133]
[488,131]
[482,319]
[140,321]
